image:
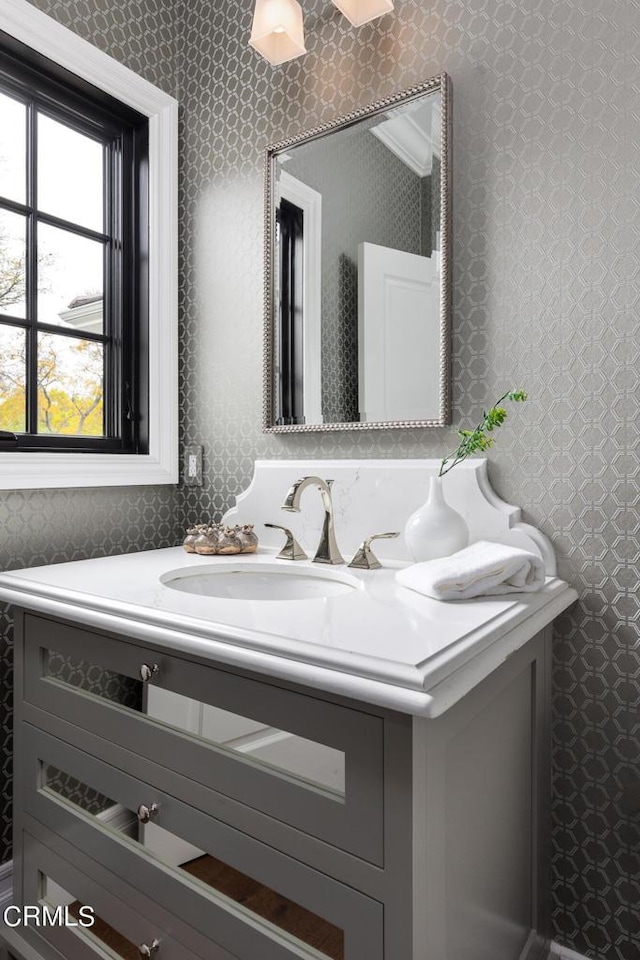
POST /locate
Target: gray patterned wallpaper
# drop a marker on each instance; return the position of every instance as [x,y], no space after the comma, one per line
[546,292]
[367,194]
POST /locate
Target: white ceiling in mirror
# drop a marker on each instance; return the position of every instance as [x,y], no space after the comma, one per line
[413,136]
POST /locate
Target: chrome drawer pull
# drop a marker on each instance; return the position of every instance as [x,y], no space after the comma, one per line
[145,813]
[146,951]
[148,672]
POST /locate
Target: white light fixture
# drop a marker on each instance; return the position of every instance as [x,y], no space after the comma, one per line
[362,11]
[277,32]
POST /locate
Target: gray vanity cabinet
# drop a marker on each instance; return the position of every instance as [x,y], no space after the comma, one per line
[368,834]
[59,657]
[358,916]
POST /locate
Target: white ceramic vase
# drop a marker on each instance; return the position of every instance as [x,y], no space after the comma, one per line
[435,529]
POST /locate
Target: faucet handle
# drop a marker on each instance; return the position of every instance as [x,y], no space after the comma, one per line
[365,559]
[292,549]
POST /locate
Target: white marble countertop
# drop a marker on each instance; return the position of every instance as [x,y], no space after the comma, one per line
[380,644]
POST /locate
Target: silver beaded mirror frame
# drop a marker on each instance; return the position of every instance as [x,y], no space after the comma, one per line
[285,233]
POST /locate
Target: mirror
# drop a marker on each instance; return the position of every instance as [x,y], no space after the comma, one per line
[357,287]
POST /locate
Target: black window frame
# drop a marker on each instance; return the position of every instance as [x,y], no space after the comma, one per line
[46,87]
[290,340]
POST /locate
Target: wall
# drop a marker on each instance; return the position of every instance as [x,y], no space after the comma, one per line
[52,526]
[353,171]
[546,286]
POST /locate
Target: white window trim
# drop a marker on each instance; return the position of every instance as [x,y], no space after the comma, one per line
[310,202]
[19,471]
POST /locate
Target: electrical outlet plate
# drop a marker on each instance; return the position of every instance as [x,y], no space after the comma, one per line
[193,466]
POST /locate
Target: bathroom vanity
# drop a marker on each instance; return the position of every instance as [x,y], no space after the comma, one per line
[360,774]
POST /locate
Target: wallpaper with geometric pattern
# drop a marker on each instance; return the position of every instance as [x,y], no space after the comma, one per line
[546,284]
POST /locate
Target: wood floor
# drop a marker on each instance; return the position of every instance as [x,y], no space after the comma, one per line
[262,901]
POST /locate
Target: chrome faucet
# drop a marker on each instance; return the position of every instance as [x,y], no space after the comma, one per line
[327,551]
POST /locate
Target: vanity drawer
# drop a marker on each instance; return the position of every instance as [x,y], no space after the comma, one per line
[247,897]
[314,765]
[125,919]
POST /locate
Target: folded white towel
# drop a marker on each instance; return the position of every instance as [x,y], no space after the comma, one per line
[483,569]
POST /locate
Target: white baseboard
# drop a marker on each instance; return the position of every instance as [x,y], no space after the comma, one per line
[6,884]
[558,952]
[536,947]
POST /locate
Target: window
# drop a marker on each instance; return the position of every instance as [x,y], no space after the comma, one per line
[72,240]
[88,263]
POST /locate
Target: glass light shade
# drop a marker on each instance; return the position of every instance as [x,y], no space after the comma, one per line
[362,11]
[277,32]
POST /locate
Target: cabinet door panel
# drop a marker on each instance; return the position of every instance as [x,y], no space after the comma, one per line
[248,897]
[121,927]
[318,767]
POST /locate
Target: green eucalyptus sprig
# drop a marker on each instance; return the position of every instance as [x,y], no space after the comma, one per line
[473,440]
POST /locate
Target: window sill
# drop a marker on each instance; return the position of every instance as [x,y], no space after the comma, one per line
[31,471]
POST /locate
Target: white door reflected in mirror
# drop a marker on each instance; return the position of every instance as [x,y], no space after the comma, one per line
[398,331]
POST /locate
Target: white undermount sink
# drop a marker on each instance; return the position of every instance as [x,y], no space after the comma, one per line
[266,581]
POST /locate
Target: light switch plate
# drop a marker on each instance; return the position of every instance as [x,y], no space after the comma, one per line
[193,466]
